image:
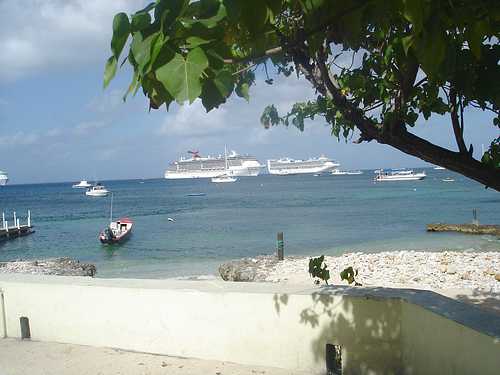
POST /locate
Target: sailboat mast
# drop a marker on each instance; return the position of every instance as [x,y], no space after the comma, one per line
[111,209]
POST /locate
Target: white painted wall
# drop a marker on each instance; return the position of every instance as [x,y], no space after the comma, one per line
[256,324]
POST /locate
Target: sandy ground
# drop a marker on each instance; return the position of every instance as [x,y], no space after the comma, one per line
[40,358]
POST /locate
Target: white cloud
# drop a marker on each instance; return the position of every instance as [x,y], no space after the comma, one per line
[19,139]
[38,35]
[89,127]
[193,121]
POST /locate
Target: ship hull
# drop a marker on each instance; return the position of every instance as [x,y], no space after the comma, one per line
[284,171]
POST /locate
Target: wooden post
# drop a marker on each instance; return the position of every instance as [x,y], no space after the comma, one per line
[281,246]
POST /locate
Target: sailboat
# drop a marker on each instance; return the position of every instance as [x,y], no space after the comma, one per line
[118,230]
[225,177]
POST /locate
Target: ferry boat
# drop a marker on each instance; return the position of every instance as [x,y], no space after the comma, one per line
[198,166]
[287,166]
[97,191]
[83,184]
[399,175]
[4,178]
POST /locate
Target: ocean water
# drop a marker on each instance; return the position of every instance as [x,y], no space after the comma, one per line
[318,215]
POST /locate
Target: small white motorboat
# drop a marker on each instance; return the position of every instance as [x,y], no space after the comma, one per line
[352,173]
[83,184]
[97,191]
[448,179]
[400,175]
[439,168]
[224,178]
[338,172]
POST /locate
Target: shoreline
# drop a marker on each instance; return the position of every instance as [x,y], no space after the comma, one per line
[414,269]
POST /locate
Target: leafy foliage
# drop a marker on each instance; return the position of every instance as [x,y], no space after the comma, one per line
[377,67]
[318,269]
[349,275]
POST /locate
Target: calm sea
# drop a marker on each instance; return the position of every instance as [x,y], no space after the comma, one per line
[319,215]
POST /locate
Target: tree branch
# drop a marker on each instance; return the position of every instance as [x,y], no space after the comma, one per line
[457,130]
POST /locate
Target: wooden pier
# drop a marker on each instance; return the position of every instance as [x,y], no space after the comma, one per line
[16,229]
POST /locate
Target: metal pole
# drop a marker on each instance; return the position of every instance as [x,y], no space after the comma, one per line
[29,218]
[111,210]
[281,246]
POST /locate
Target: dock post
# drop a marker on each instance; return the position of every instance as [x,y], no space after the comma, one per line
[29,218]
[281,246]
[475,220]
[15,220]
[3,220]
[18,225]
[6,227]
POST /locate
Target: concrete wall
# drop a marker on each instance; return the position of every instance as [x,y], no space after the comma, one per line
[257,324]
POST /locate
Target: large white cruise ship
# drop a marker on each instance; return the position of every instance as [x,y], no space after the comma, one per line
[4,178]
[287,166]
[198,166]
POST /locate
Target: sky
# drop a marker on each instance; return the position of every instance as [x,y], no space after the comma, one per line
[58,124]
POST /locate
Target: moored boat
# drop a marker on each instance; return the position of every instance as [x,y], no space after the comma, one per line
[224,178]
[97,191]
[117,231]
[83,184]
[400,175]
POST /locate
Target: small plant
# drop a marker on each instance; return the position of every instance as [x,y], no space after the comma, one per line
[319,270]
[349,275]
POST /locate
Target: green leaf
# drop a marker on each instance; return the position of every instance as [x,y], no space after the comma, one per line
[140,21]
[121,31]
[224,82]
[407,42]
[195,41]
[181,77]
[242,91]
[109,70]
[207,22]
[141,49]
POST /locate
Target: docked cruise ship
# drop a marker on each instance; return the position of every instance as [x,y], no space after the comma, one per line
[4,178]
[198,166]
[287,166]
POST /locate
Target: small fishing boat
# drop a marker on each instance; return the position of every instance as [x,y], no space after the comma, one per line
[448,179]
[118,230]
[83,184]
[439,168]
[97,191]
[196,194]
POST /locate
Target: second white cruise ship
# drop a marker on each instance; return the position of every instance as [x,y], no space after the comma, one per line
[287,166]
[198,166]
